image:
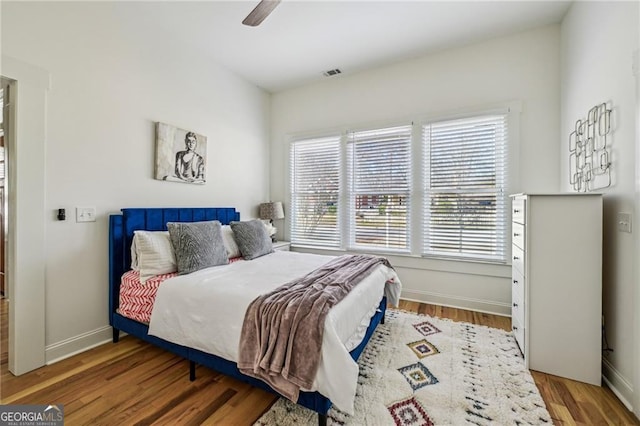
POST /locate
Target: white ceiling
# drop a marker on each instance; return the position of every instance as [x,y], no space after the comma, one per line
[302,39]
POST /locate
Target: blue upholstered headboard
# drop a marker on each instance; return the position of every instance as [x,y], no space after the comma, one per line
[122,226]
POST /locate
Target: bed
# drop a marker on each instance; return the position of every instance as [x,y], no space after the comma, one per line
[121,232]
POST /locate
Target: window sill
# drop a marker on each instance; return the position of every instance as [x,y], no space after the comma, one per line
[410,261]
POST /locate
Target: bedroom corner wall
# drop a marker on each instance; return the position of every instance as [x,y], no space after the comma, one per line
[523,67]
[598,40]
[110,82]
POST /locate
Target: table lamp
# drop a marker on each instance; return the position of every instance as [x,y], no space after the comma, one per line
[271,211]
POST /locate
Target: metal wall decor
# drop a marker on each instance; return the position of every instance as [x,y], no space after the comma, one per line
[589,157]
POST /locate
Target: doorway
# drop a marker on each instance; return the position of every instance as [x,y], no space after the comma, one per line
[25,240]
[5,104]
[4,294]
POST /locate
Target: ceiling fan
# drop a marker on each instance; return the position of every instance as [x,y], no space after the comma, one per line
[260,12]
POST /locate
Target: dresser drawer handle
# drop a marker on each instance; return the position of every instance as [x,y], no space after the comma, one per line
[516,211]
[515,234]
[515,258]
[515,305]
[515,281]
[514,328]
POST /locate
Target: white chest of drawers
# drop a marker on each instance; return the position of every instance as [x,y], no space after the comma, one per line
[557,283]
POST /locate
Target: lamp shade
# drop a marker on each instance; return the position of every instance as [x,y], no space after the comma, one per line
[271,210]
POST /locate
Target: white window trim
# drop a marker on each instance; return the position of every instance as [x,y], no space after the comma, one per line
[513,110]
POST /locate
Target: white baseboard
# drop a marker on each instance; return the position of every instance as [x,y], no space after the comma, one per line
[617,383]
[75,345]
[478,305]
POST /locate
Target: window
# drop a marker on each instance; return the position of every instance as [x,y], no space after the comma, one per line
[315,185]
[464,203]
[356,190]
[379,176]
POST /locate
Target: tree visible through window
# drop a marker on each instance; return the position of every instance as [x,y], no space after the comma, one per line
[315,185]
[354,190]
[465,180]
[379,176]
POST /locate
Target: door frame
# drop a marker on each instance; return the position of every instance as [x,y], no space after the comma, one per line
[26,252]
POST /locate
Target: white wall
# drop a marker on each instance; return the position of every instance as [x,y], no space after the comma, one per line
[523,67]
[110,82]
[598,41]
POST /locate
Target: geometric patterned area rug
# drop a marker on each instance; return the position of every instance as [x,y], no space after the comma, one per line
[420,370]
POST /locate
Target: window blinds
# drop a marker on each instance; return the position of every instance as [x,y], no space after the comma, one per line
[315,185]
[379,183]
[465,202]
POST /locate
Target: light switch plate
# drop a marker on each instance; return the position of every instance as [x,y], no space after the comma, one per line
[85,214]
[624,222]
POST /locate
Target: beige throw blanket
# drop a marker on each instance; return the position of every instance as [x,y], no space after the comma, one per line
[282,332]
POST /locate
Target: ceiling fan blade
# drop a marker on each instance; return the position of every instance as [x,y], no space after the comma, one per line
[260,12]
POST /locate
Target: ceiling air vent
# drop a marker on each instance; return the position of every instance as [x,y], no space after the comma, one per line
[332,72]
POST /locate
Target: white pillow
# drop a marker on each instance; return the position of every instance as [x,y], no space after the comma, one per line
[134,254]
[230,242]
[154,254]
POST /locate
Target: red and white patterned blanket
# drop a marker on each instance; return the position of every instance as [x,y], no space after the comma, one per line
[136,298]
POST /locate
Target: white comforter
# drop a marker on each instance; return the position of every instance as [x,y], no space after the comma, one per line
[205,310]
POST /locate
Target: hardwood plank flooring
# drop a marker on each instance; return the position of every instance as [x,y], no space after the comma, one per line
[134,383]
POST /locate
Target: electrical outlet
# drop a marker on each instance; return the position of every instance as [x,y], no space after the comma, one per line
[624,222]
[85,214]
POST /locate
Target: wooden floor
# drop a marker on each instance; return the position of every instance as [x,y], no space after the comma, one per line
[135,383]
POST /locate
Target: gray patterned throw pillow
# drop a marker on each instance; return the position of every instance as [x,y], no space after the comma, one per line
[197,245]
[252,238]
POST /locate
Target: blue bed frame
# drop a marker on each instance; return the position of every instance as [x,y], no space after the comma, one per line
[121,228]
